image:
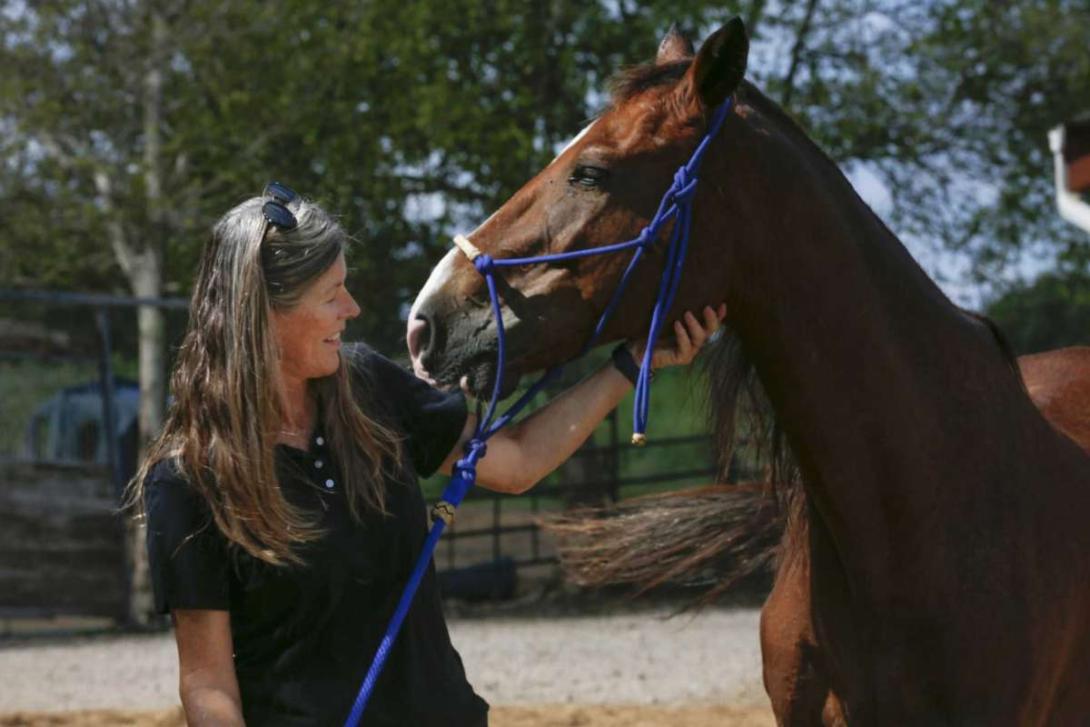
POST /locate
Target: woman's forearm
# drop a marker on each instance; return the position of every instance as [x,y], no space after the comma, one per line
[211,707]
[550,435]
[519,457]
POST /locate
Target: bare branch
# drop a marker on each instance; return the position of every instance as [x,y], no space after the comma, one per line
[126,256]
[797,52]
[755,15]
[63,150]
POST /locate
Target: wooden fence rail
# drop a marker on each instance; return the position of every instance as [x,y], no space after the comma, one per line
[61,544]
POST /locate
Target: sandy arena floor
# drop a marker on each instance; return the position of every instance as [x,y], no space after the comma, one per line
[634,669]
[536,716]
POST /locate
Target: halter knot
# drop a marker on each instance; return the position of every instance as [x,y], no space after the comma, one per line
[684,183]
[645,237]
[465,468]
[475,449]
[484,264]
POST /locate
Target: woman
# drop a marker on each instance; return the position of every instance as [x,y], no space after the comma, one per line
[282,505]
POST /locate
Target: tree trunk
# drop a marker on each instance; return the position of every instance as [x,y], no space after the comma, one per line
[146,277]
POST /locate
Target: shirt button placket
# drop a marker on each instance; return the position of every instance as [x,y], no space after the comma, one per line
[319,463]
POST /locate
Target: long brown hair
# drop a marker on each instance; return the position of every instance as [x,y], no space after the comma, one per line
[221,428]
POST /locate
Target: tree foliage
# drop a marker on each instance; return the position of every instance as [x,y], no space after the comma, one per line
[405,123]
[950,101]
[413,120]
[1051,312]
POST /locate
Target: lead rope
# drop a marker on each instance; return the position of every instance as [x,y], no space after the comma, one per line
[676,204]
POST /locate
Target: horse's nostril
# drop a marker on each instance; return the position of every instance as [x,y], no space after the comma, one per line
[418,336]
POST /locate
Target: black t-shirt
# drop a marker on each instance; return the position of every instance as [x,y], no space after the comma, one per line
[305,636]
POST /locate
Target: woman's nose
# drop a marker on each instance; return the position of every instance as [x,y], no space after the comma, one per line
[353,308]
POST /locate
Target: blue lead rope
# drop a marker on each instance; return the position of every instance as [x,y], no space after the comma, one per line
[676,205]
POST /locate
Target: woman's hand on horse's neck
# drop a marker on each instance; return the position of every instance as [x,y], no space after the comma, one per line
[689,337]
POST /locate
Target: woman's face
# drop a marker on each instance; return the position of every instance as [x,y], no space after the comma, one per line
[309,334]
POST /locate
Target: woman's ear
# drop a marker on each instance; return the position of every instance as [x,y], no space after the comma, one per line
[719,66]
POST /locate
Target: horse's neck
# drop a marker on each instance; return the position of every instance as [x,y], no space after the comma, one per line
[879,381]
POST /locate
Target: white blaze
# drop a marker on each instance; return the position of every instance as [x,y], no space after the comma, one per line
[438,278]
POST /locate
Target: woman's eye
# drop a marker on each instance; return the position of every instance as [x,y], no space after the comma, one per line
[587,176]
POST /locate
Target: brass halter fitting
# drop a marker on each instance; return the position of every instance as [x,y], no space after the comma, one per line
[444,511]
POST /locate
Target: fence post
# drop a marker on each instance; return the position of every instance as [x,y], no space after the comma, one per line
[109,410]
[113,455]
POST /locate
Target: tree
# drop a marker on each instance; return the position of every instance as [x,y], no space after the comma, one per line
[91,110]
[412,126]
[406,124]
[1051,312]
[950,101]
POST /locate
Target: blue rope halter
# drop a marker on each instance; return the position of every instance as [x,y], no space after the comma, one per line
[676,205]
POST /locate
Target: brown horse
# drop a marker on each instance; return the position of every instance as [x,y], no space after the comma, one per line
[952,581]
[714,536]
[797,679]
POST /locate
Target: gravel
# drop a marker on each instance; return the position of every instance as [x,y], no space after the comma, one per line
[640,658]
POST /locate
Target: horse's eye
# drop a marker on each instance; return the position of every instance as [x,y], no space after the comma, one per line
[587,176]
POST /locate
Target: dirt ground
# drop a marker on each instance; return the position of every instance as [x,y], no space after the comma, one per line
[602,664]
[522,716]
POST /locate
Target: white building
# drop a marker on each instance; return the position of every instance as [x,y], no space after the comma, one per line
[1070,145]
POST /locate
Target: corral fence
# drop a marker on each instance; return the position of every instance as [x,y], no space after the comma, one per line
[496,538]
[69,442]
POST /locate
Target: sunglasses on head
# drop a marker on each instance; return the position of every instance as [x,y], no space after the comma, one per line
[276,209]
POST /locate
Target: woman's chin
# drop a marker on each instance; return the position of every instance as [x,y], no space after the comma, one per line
[328,368]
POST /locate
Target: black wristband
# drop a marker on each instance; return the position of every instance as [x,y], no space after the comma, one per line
[625,363]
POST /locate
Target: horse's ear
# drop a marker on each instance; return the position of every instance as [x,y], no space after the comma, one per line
[720,65]
[674,47]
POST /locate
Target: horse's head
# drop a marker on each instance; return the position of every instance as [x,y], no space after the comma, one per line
[603,188]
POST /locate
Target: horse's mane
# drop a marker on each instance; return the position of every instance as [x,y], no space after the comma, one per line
[1005,348]
[744,426]
[636,79]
